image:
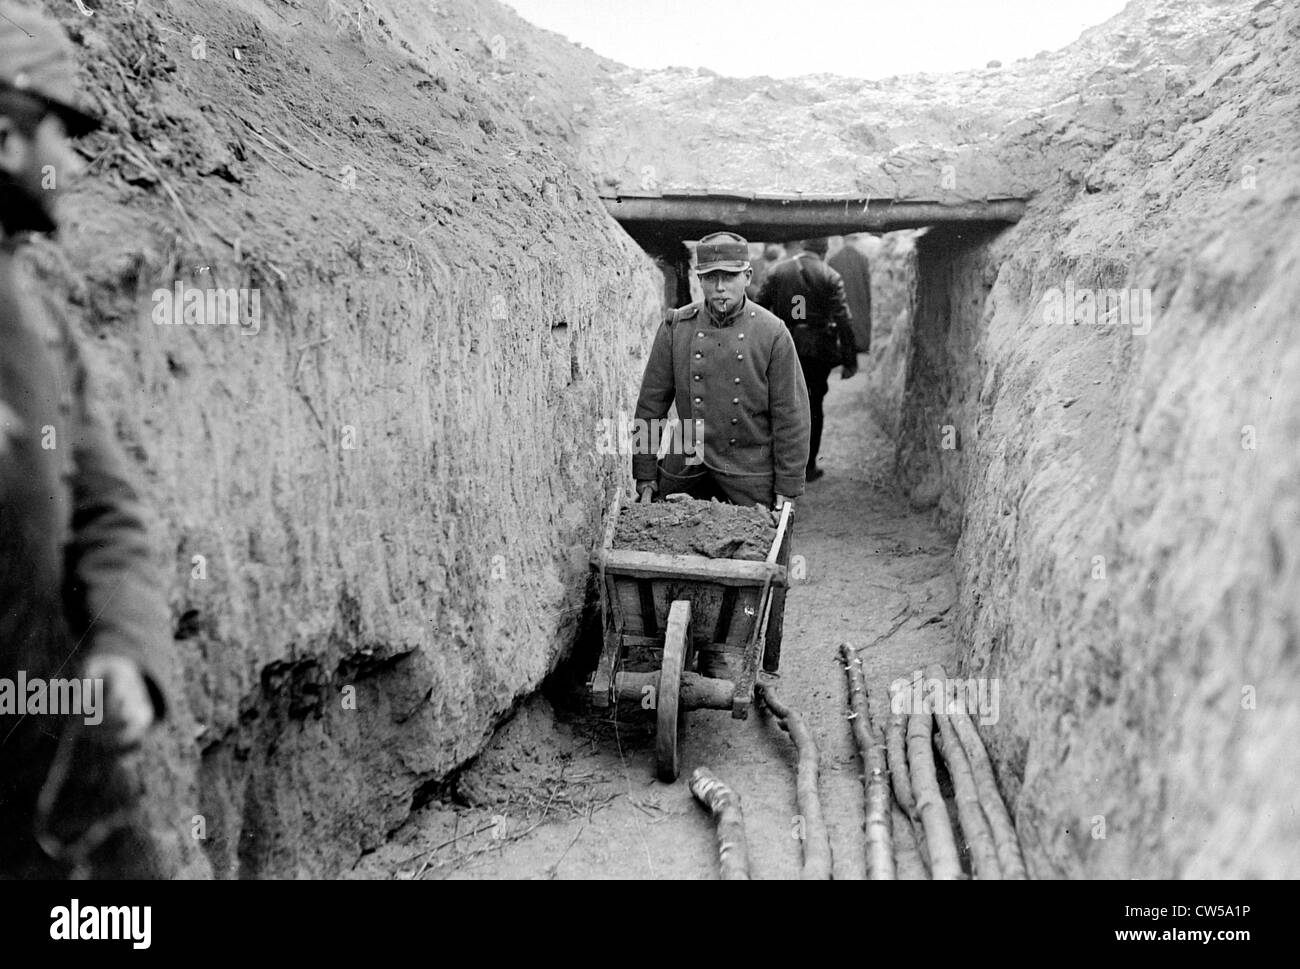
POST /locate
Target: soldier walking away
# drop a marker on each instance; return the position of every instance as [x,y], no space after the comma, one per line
[78,596]
[808,296]
[852,264]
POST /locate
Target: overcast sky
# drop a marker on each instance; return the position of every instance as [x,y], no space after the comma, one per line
[782,38]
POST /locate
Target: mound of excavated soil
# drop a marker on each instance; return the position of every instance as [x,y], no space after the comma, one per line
[986,133]
[681,525]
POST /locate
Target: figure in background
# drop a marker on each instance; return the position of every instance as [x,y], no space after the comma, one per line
[808,296]
[772,254]
[855,269]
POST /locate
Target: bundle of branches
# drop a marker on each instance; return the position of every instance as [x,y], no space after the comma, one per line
[995,847]
[724,804]
[814,838]
[871,746]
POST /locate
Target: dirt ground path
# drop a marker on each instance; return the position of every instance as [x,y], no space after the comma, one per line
[579,799]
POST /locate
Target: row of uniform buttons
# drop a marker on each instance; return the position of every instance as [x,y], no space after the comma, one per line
[739,356]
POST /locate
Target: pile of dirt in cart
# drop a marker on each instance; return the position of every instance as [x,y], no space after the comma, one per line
[681,525]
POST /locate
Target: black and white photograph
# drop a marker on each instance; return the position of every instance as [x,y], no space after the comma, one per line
[649,440]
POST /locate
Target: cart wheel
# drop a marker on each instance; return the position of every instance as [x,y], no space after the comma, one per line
[677,636]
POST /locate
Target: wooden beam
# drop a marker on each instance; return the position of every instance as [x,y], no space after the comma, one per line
[774,219]
[657,565]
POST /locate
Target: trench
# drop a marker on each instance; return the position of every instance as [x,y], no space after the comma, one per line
[561,792]
[1161,152]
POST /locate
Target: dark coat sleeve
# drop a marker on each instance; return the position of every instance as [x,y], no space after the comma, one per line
[855,269]
[115,600]
[841,316]
[864,322]
[791,417]
[657,395]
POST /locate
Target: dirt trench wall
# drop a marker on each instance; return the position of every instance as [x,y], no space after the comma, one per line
[376,509]
[893,308]
[1129,494]
[938,366]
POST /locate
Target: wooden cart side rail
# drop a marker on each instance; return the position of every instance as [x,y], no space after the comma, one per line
[603,679]
[611,523]
[783,525]
[743,695]
[657,565]
[744,692]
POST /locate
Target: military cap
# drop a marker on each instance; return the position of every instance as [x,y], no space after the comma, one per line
[721,250]
[35,59]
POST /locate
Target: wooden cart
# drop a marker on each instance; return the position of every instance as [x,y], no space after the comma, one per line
[664,613]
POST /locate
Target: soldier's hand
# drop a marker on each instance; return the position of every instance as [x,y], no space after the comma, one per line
[645,491]
[128,708]
[782,501]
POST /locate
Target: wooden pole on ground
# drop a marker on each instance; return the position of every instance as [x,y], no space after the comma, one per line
[724,804]
[995,809]
[974,825]
[896,749]
[945,865]
[815,840]
[871,746]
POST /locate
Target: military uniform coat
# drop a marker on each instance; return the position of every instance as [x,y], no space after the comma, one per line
[741,378]
[855,269]
[75,572]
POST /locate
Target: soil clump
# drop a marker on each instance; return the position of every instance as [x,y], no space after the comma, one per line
[682,525]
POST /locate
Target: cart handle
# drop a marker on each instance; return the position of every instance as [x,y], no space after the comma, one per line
[782,525]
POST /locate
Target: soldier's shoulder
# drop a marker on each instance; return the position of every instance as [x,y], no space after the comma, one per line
[688,312]
[765,319]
